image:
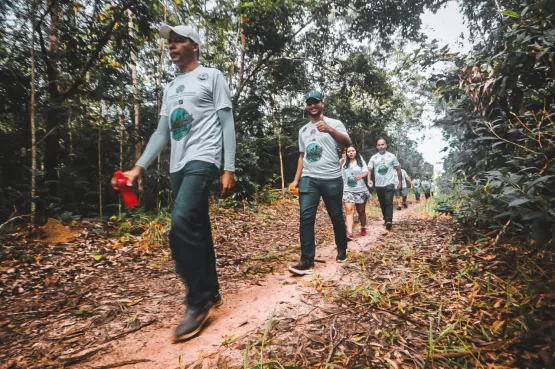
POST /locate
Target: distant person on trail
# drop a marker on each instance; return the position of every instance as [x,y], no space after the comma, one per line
[319,176]
[404,192]
[197,118]
[432,188]
[416,188]
[387,173]
[355,192]
[426,188]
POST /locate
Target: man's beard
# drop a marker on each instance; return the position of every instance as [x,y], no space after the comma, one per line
[382,151]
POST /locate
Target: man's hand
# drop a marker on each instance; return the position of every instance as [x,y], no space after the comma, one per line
[323,127]
[370,183]
[131,176]
[294,184]
[227,184]
[400,186]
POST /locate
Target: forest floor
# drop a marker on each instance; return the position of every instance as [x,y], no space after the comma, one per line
[105,295]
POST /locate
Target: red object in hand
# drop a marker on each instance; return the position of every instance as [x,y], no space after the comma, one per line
[129,198]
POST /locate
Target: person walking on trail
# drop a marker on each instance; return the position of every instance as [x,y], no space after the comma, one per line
[416,188]
[197,118]
[355,192]
[426,188]
[432,188]
[387,174]
[403,192]
[319,176]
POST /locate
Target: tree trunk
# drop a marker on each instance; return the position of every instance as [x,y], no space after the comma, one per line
[54,117]
[33,130]
[136,102]
[121,127]
[281,162]
[242,59]
[100,158]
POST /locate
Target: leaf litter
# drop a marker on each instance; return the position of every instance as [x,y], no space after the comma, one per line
[63,301]
[424,296]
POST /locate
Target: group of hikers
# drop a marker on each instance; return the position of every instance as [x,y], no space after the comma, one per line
[343,182]
[197,118]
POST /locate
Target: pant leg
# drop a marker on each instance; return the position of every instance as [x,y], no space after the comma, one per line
[380,191]
[309,199]
[388,198]
[191,234]
[332,194]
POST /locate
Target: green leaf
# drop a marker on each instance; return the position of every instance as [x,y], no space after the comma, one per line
[97,256]
[518,202]
[510,13]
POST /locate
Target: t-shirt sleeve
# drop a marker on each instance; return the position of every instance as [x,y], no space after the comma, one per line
[302,147]
[370,164]
[364,166]
[340,127]
[164,111]
[394,161]
[220,91]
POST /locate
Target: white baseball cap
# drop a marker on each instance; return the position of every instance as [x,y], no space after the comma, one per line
[181,30]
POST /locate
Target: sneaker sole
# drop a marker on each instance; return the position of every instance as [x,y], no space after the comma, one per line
[341,261]
[188,336]
[301,272]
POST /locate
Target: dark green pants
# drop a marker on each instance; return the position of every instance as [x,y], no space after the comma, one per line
[310,192]
[191,234]
[385,195]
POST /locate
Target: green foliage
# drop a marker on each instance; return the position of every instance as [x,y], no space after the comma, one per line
[501,124]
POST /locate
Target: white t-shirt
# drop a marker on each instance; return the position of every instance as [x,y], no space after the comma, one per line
[191,102]
[426,186]
[416,183]
[349,174]
[385,172]
[321,152]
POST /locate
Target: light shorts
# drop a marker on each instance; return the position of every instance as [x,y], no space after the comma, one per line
[404,192]
[356,197]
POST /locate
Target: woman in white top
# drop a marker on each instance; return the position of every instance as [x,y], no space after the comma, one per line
[355,192]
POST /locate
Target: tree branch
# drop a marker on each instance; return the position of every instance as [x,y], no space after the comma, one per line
[94,55]
[263,61]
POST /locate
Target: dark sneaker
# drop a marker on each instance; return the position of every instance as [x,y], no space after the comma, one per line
[217,300]
[349,236]
[388,225]
[341,255]
[405,205]
[302,269]
[398,208]
[192,322]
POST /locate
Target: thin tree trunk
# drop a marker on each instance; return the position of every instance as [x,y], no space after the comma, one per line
[136,101]
[100,158]
[243,48]
[121,127]
[55,115]
[32,108]
[281,161]
[159,107]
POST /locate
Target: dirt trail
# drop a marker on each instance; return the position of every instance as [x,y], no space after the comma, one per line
[245,311]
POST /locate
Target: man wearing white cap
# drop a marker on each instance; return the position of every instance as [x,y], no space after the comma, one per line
[197,118]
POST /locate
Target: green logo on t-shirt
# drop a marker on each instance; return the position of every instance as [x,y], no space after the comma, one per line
[382,170]
[351,182]
[313,153]
[180,121]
